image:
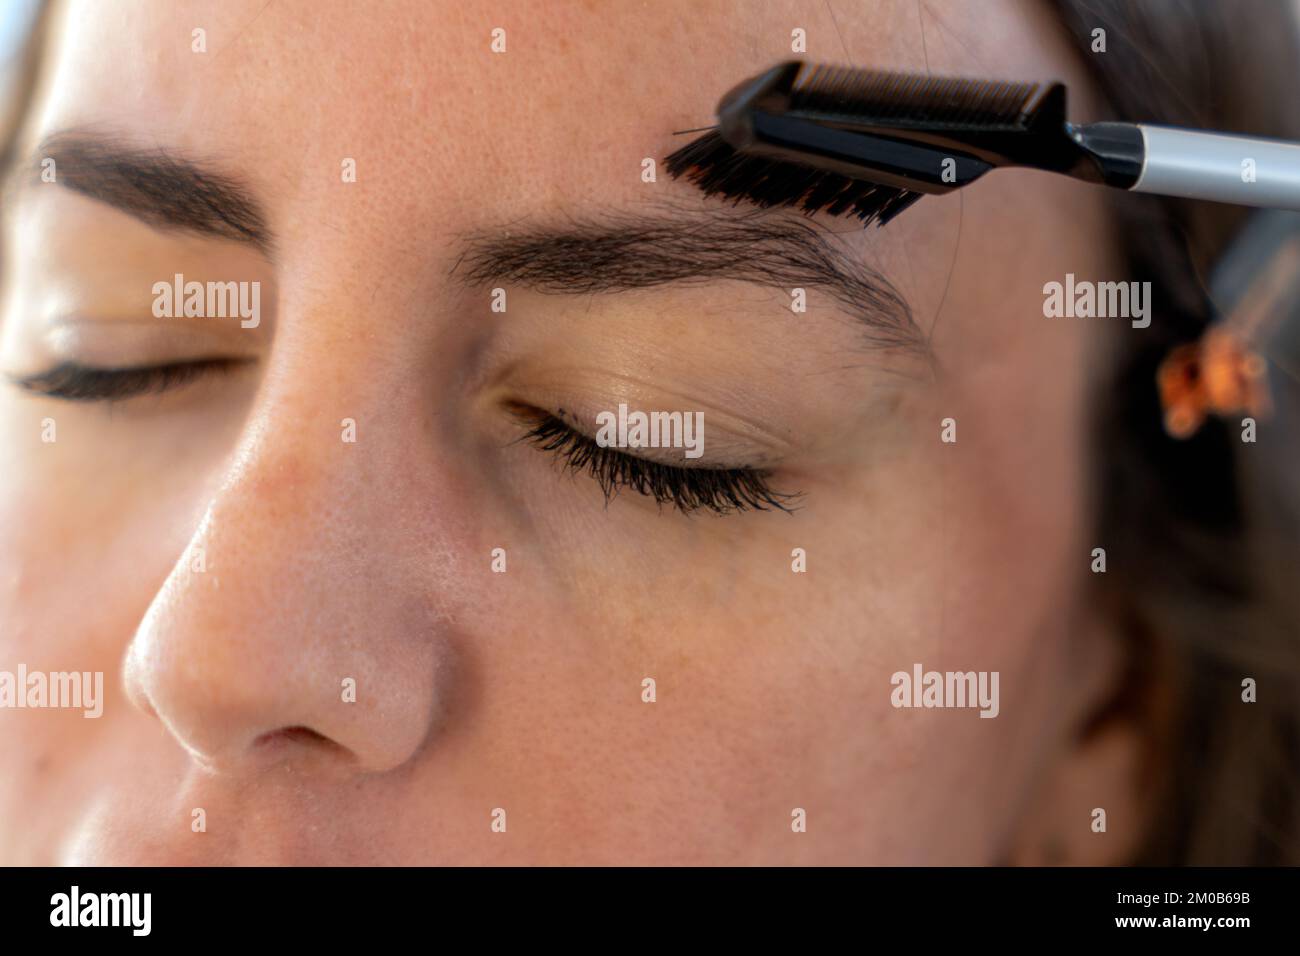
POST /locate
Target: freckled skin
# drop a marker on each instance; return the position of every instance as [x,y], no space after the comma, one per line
[371,560]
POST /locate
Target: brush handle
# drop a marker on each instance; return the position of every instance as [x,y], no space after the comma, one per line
[1197,165]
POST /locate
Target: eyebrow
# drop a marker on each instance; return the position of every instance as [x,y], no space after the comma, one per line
[155,185]
[616,252]
[613,252]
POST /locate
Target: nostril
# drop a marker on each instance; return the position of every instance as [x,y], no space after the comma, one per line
[300,737]
[300,734]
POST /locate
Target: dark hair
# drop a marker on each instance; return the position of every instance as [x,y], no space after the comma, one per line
[1201,535]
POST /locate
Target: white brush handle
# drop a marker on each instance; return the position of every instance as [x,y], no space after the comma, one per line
[1234,169]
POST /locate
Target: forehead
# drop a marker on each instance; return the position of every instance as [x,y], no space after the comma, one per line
[448,137]
[415,94]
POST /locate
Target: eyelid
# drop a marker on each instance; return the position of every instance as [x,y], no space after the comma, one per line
[533,417]
[735,439]
[75,382]
[136,342]
[720,490]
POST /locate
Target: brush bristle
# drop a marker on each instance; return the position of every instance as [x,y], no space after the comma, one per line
[718,169]
[908,99]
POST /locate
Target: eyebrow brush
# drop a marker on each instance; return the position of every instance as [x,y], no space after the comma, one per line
[869,144]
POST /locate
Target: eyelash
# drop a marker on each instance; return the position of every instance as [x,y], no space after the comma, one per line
[83,383]
[720,490]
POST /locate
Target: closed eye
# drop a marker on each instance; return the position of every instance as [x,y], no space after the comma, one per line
[74,382]
[720,490]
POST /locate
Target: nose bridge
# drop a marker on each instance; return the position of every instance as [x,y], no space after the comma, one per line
[295,516]
[291,618]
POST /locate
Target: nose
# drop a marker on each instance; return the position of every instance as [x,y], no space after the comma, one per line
[299,624]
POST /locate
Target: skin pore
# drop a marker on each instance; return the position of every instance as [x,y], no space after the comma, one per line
[326,560]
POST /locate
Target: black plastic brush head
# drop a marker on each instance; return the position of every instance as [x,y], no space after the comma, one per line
[715,167]
[869,144]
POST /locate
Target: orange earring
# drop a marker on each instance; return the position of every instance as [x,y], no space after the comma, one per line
[1218,375]
[1225,372]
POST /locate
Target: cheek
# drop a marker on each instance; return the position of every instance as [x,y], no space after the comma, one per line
[86,513]
[773,693]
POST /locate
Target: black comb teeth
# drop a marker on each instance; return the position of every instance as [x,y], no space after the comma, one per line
[903,99]
[718,169]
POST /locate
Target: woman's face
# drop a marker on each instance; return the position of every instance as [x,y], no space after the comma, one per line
[286,568]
